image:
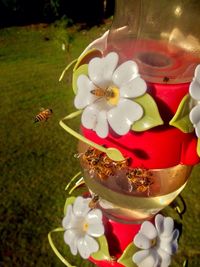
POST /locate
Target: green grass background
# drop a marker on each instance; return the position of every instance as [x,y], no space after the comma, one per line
[37,160]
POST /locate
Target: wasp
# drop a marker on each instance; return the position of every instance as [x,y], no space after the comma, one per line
[91,153]
[107,162]
[91,159]
[143,185]
[135,173]
[104,172]
[100,165]
[120,165]
[107,93]
[92,156]
[44,115]
[93,203]
[166,79]
[140,179]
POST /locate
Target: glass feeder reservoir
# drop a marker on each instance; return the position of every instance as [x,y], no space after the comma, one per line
[148,57]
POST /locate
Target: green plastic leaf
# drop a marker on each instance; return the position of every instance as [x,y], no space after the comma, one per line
[69,201]
[151,117]
[126,257]
[86,57]
[198,147]
[69,66]
[103,252]
[181,118]
[83,69]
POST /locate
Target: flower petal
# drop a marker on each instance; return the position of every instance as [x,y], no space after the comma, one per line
[122,116]
[84,96]
[197,129]
[95,230]
[70,221]
[145,258]
[95,224]
[168,227]
[80,206]
[67,219]
[89,117]
[94,216]
[133,88]
[159,223]
[140,255]
[71,238]
[86,246]
[125,72]
[195,114]
[142,241]
[174,247]
[100,70]
[166,246]
[175,234]
[170,245]
[149,261]
[101,127]
[194,89]
[197,73]
[165,258]
[148,230]
[164,263]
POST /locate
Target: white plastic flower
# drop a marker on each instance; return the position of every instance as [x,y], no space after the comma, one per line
[157,242]
[106,95]
[195,94]
[82,226]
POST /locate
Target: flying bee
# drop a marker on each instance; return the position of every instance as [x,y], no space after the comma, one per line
[93,203]
[44,115]
[108,93]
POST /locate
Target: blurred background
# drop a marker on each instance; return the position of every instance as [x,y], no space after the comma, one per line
[22,12]
[37,41]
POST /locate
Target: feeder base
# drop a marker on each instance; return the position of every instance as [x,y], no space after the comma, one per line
[119,236]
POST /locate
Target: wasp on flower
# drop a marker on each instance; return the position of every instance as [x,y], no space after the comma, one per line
[107,94]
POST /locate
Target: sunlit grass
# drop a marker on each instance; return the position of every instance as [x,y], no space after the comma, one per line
[37,160]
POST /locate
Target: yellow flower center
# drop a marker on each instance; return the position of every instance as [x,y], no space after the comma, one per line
[85,227]
[113,95]
[153,242]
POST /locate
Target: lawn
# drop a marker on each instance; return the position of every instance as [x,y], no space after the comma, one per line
[37,160]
